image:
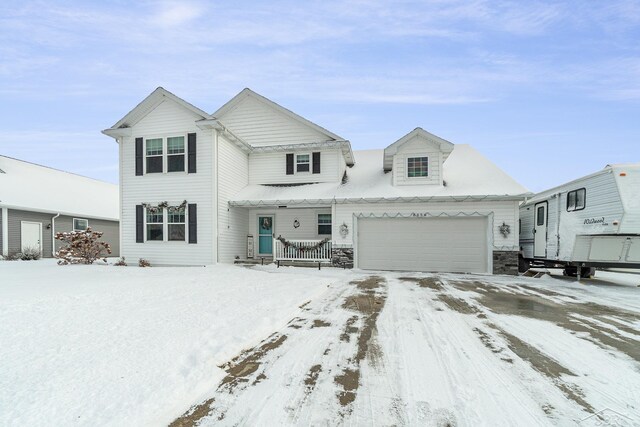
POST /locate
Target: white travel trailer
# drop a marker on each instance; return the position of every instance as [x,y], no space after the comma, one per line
[590,222]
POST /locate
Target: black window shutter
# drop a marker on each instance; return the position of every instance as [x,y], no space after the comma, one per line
[316,162]
[139,224]
[138,156]
[193,223]
[290,164]
[191,150]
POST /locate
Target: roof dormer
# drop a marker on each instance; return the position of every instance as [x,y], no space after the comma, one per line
[417,158]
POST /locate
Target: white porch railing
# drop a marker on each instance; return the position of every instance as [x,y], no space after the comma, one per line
[294,253]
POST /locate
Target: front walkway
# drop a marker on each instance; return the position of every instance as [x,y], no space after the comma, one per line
[393,349]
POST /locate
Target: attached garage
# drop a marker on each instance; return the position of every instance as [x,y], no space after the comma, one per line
[438,244]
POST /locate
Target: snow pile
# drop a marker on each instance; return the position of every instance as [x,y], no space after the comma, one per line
[104,345]
[28,186]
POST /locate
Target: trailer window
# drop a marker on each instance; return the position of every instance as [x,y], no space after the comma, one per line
[540,216]
[576,200]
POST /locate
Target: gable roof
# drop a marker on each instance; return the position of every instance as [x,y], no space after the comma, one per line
[246,93]
[38,188]
[146,106]
[445,146]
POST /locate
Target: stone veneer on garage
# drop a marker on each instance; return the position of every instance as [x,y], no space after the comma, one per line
[505,262]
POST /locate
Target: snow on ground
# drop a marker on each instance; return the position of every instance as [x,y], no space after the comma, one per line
[291,346]
[105,345]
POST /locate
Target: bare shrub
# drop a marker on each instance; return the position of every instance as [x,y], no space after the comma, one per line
[121,262]
[29,254]
[143,263]
[82,247]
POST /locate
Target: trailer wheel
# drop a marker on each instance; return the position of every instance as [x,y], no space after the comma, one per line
[523,264]
[570,271]
[587,272]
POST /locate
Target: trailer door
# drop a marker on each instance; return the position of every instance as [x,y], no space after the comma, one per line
[540,231]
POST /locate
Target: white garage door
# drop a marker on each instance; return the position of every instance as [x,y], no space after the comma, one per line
[423,244]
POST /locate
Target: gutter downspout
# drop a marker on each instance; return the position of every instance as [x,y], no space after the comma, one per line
[53,235]
[4,245]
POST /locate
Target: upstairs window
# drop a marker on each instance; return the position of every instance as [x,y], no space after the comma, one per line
[324,224]
[576,200]
[80,224]
[155,224]
[175,154]
[154,155]
[176,221]
[417,167]
[302,163]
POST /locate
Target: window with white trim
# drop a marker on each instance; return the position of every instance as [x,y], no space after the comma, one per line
[176,224]
[155,225]
[153,153]
[417,167]
[80,224]
[324,224]
[175,154]
[303,162]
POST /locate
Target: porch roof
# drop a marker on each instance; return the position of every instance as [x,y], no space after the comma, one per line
[468,176]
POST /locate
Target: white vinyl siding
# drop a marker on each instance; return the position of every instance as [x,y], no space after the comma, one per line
[233,223]
[260,124]
[284,219]
[270,168]
[417,148]
[168,119]
[440,244]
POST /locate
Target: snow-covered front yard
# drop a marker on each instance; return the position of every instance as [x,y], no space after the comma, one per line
[227,345]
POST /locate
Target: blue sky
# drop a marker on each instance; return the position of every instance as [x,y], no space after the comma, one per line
[549,91]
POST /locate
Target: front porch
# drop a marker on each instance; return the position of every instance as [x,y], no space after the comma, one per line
[297,235]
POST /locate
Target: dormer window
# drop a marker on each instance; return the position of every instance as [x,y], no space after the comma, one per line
[417,167]
[302,162]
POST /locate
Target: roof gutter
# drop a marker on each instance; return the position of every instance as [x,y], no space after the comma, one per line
[347,200]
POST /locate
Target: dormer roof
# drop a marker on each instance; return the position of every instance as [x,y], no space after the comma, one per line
[445,146]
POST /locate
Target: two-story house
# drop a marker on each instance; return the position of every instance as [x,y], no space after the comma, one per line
[254,180]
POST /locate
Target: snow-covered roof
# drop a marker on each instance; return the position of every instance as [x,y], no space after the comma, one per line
[33,187]
[467,174]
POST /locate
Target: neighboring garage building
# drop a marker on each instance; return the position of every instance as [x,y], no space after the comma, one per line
[36,202]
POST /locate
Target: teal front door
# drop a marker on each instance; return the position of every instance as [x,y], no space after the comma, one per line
[265,235]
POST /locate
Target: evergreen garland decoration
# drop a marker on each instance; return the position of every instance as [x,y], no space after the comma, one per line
[287,244]
[158,208]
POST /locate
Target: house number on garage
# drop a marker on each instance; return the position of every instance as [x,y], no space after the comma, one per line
[419,214]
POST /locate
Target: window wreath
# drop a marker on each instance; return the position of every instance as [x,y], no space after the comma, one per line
[266,223]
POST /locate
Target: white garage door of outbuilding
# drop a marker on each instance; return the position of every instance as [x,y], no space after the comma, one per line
[451,244]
